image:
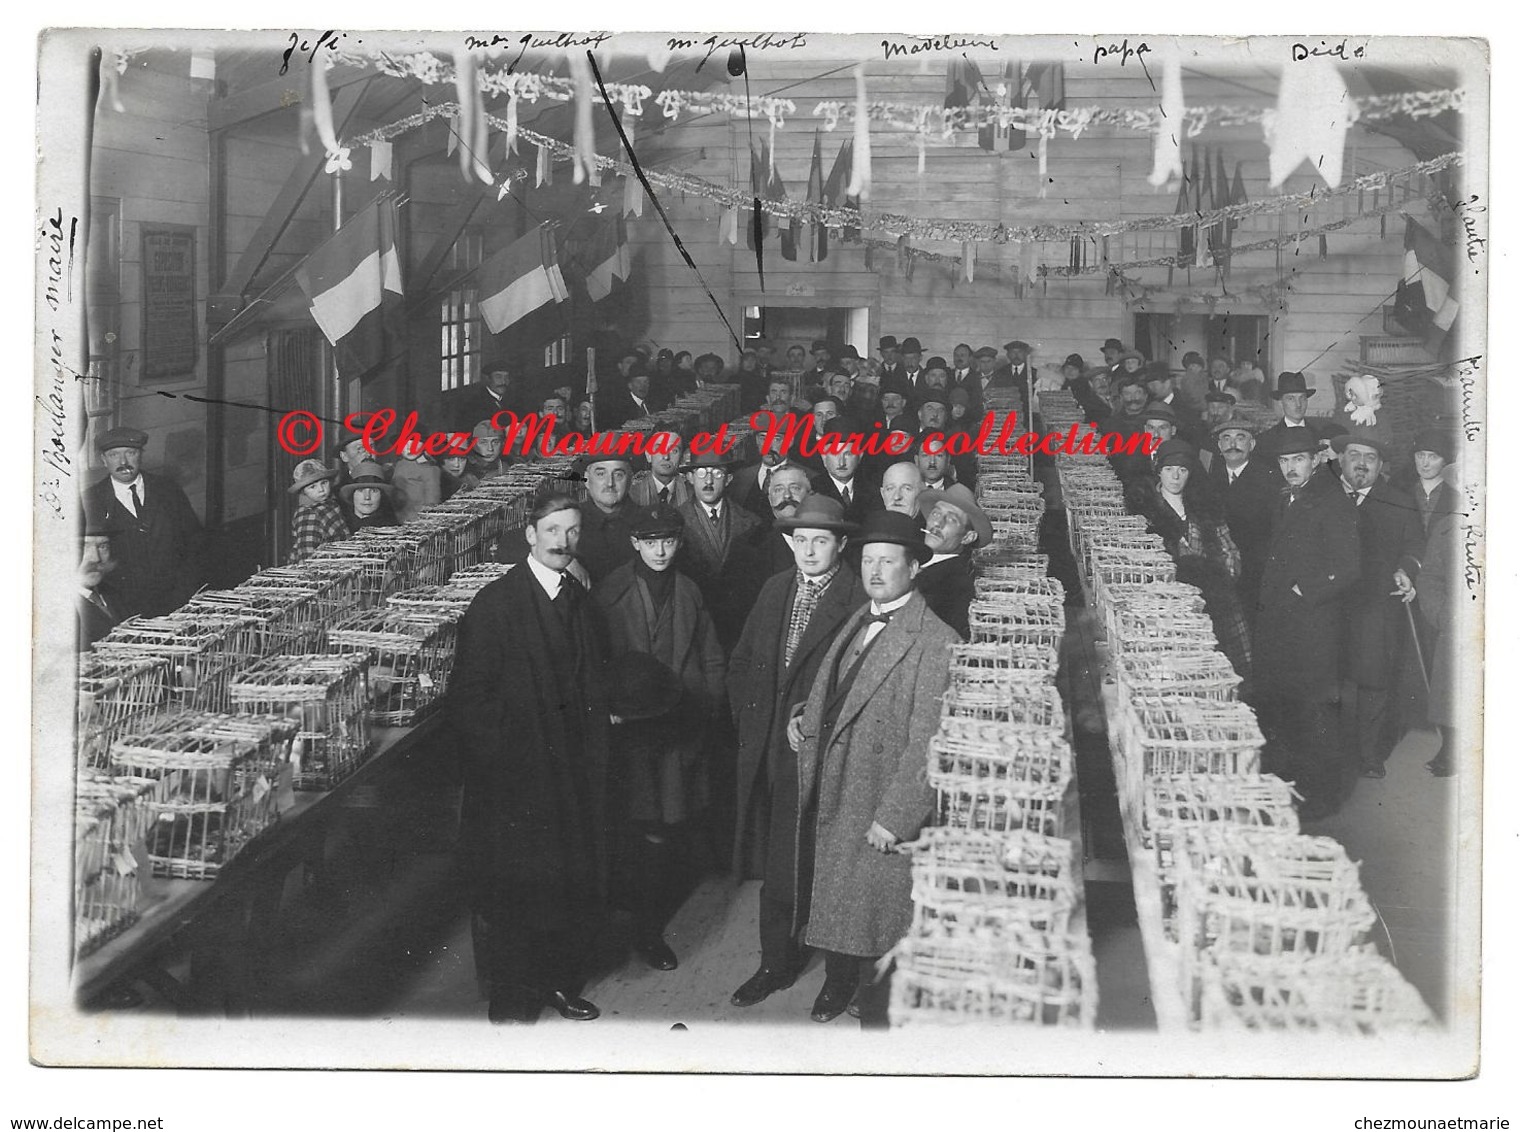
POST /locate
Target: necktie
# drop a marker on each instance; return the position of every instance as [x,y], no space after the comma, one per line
[665,495]
[713,512]
[868,633]
[1356,497]
[845,491]
[100,603]
[136,501]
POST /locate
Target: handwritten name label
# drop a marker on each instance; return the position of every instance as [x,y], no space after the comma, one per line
[531,42]
[1124,51]
[1466,210]
[919,45]
[327,41]
[764,42]
[1467,372]
[1302,51]
[1472,571]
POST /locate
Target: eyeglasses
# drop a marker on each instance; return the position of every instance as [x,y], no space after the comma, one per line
[709,473]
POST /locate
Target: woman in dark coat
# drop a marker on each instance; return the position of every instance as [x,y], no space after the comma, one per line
[659,777]
[528,702]
[1180,506]
[367,499]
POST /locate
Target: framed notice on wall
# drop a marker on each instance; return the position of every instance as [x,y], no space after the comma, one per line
[168,344]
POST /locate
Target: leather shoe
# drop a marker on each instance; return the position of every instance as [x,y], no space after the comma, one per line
[656,952]
[832,1001]
[574,1009]
[761,985]
[1374,770]
[1440,768]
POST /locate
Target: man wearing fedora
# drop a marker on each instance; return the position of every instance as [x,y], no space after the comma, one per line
[658,776]
[1250,488]
[1392,541]
[1292,394]
[528,699]
[861,744]
[96,611]
[1313,561]
[954,526]
[794,621]
[160,545]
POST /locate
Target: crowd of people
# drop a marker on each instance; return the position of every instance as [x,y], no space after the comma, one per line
[735,662]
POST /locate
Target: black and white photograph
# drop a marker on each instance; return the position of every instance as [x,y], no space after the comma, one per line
[760,552]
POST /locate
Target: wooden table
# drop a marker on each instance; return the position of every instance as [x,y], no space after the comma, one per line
[226,922]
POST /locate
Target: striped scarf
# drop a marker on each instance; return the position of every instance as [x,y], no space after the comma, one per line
[809,590]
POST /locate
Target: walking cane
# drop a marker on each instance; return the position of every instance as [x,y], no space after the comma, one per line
[1419,651]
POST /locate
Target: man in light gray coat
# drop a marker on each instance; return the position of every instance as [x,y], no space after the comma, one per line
[864,741]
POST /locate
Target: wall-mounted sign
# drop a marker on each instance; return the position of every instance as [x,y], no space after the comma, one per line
[169,342]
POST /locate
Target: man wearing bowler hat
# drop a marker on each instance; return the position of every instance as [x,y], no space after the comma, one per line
[1392,541]
[794,621]
[860,744]
[1313,561]
[954,526]
[160,546]
[1249,486]
[913,364]
[1292,393]
[891,357]
[94,607]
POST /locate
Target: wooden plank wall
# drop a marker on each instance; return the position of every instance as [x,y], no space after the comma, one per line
[1100,175]
[153,157]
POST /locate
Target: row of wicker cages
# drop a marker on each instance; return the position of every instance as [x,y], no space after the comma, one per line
[995,937]
[1265,928]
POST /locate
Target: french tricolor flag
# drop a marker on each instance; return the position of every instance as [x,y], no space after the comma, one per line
[354,284]
[518,280]
[609,260]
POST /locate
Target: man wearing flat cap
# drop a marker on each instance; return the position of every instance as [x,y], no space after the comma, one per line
[1250,487]
[954,526]
[1313,561]
[861,746]
[794,621]
[1377,627]
[160,546]
[662,727]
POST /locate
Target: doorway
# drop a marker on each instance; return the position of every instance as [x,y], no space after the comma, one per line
[787,326]
[1238,337]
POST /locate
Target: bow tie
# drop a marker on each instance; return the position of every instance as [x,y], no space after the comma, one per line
[878,618]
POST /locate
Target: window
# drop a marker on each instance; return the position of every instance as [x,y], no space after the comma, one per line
[557,353]
[459,320]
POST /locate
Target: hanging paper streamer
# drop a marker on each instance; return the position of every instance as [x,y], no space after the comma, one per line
[512,124]
[633,197]
[1044,153]
[480,147]
[968,261]
[304,128]
[455,125]
[658,58]
[321,109]
[1314,112]
[468,90]
[380,161]
[860,171]
[1026,262]
[1168,155]
[728,226]
[585,136]
[545,169]
[110,84]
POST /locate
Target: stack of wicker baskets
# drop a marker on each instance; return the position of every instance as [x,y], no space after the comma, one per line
[1260,927]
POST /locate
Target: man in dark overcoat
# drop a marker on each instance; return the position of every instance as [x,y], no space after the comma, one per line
[96,615]
[528,701]
[954,526]
[605,537]
[863,747]
[159,545]
[769,677]
[1250,488]
[1377,627]
[1313,560]
[718,551]
[1292,394]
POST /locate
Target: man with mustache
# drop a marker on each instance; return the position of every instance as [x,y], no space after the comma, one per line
[1313,561]
[954,526]
[860,744]
[788,488]
[97,613]
[605,541]
[527,698]
[160,546]
[774,665]
[1250,490]
[750,485]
